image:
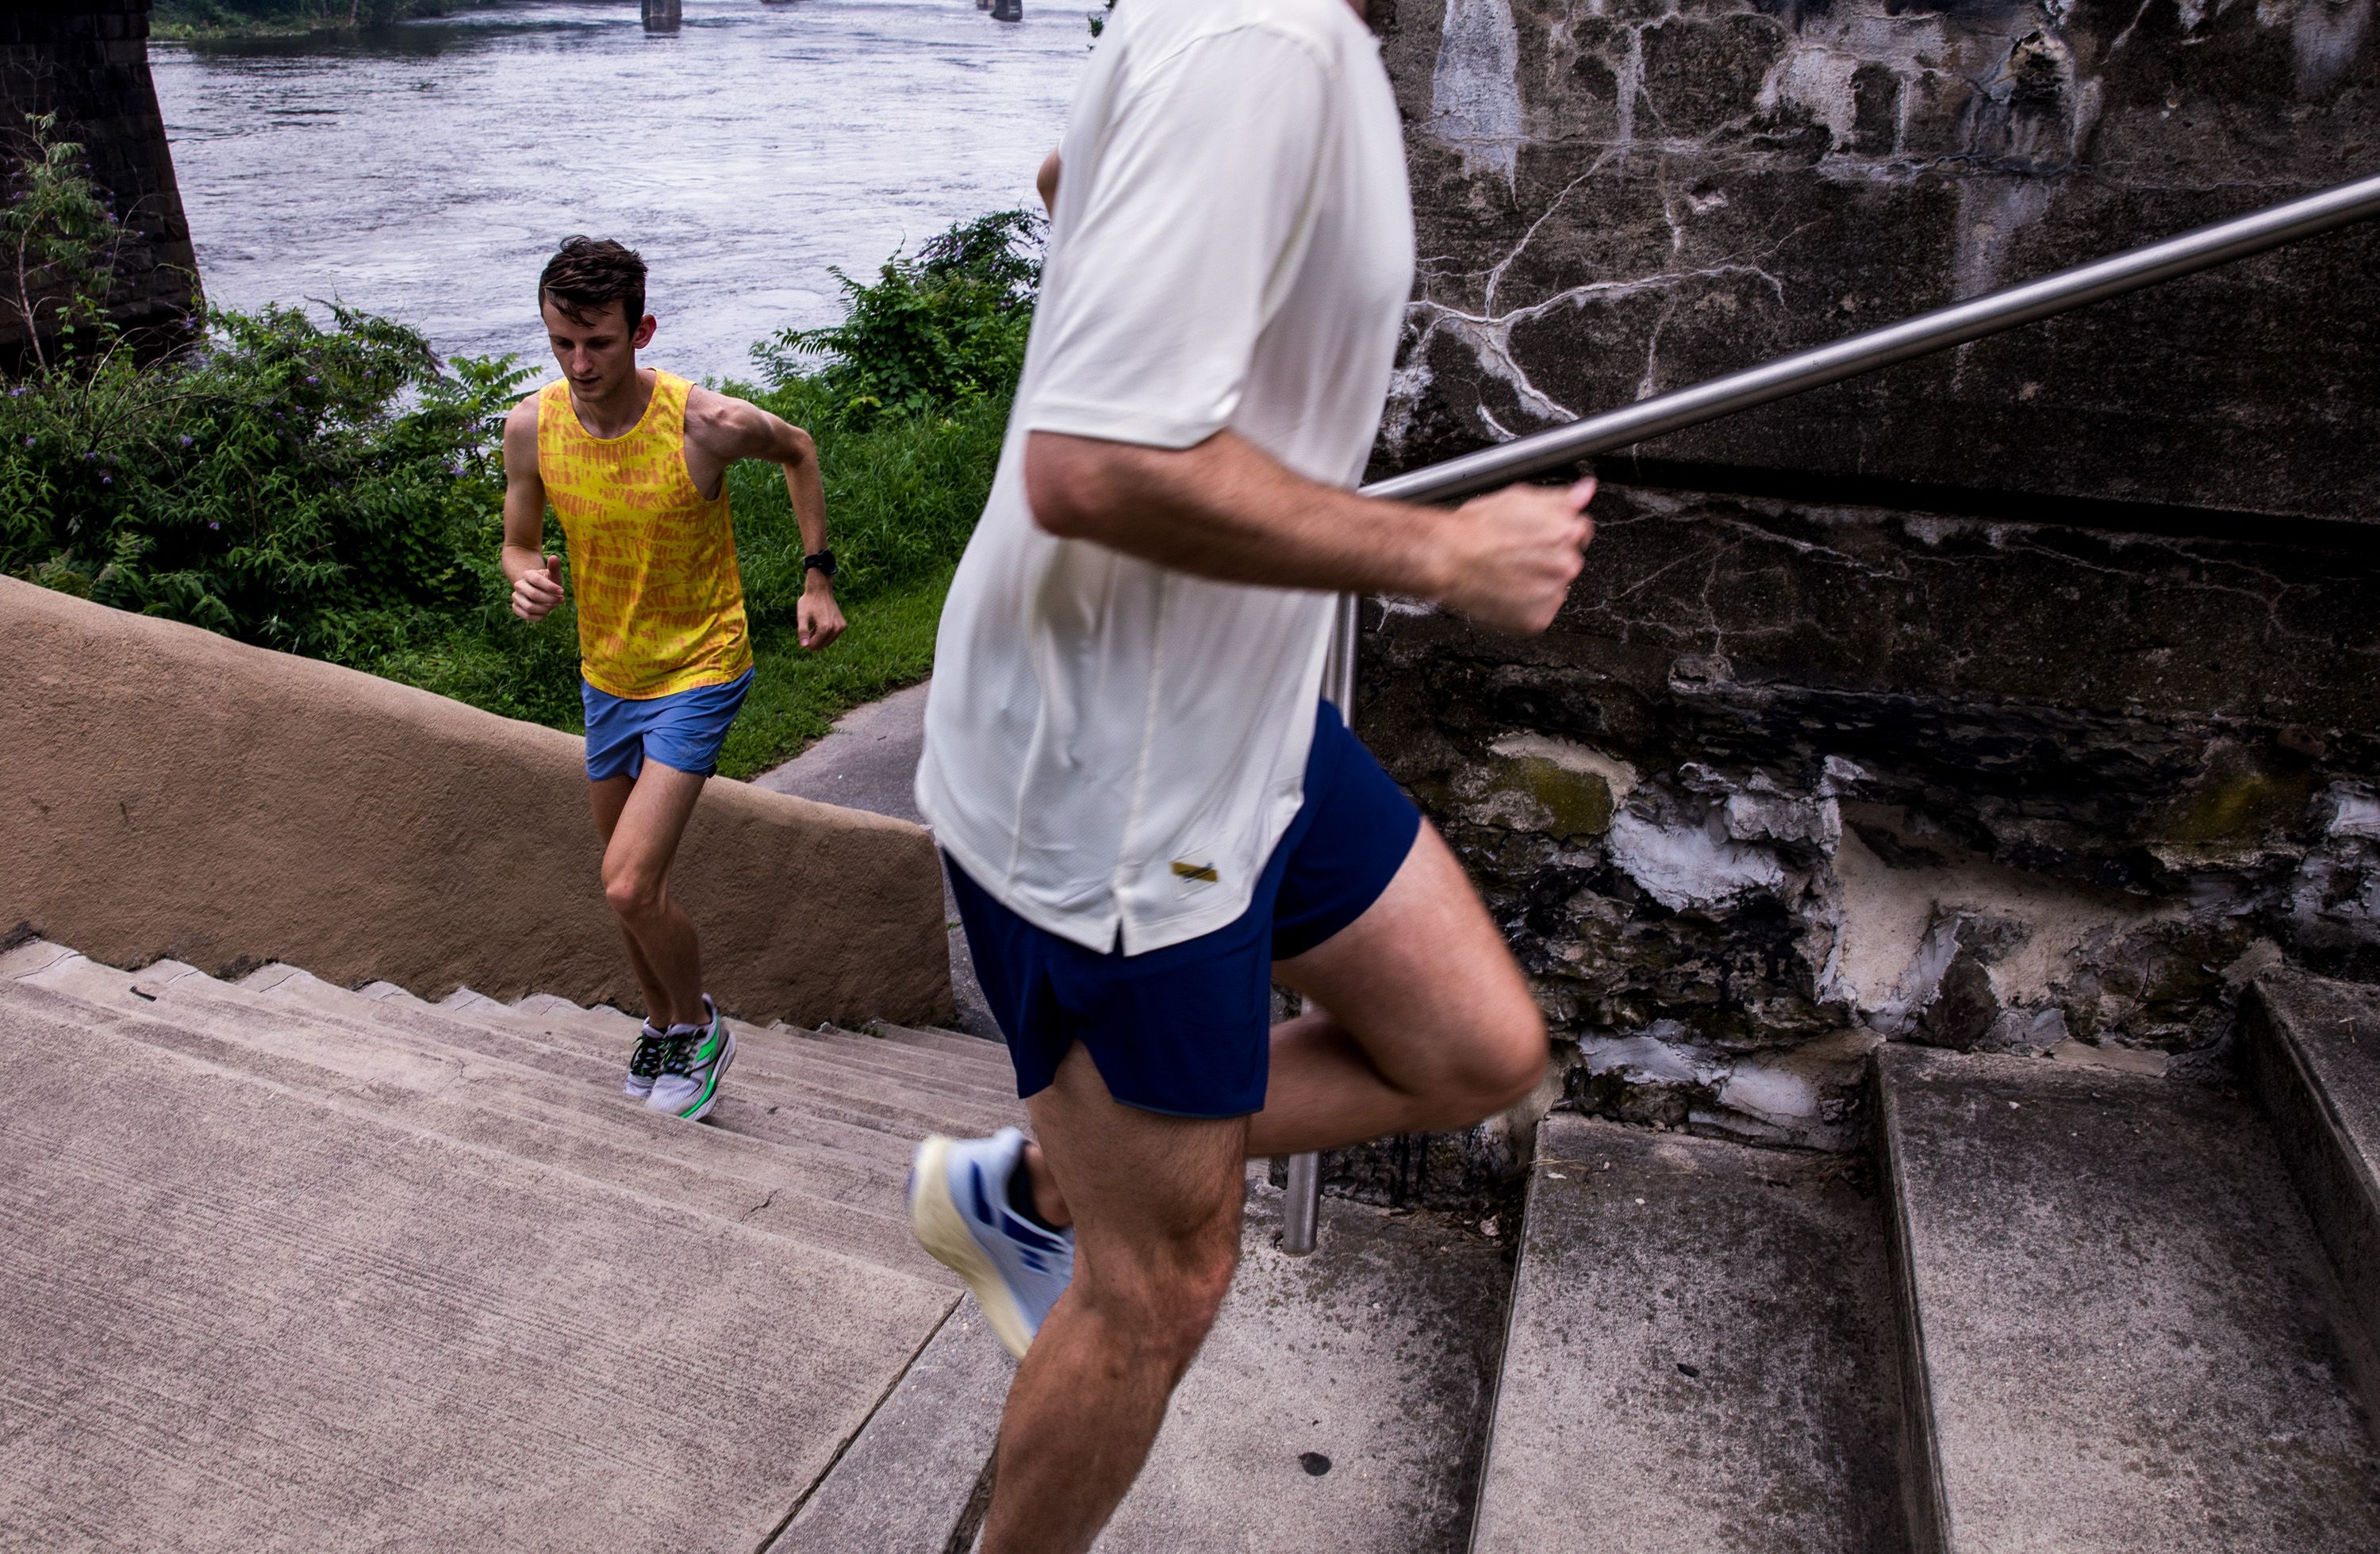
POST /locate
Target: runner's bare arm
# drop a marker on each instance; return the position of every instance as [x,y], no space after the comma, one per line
[1226,509]
[719,431]
[535,577]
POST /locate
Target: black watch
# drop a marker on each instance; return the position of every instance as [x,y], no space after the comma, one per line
[822,562]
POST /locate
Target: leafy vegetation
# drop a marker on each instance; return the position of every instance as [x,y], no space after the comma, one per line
[944,328]
[202,18]
[333,487]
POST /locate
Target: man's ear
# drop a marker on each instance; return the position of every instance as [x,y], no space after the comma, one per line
[644,334]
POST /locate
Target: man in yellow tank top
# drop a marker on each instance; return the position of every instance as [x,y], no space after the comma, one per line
[634,462]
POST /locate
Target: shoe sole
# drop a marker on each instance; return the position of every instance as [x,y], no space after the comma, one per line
[942,1230]
[702,1109]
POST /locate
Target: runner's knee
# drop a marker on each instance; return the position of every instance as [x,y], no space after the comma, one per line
[1509,1059]
[634,894]
[1165,1300]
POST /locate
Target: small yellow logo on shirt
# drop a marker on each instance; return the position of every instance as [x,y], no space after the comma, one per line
[1201,873]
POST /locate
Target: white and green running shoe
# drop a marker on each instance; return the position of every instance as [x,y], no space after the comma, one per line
[645,1062]
[688,1085]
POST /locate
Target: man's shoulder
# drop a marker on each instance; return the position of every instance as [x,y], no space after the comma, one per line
[1319,27]
[523,417]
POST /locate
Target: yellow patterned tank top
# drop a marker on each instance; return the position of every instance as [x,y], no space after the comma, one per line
[652,560]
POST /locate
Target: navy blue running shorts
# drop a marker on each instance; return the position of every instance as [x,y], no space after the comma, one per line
[1186,1030]
[684,729]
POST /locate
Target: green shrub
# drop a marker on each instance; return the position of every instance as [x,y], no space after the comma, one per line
[310,488]
[941,329]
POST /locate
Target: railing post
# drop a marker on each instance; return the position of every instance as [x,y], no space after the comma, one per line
[1301,1205]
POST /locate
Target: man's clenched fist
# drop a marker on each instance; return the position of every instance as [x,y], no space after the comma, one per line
[1517,552]
[536,593]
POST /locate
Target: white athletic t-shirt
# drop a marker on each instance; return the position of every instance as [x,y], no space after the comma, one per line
[1112,748]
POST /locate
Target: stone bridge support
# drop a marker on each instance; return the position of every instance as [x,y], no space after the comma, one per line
[88,62]
[2019,695]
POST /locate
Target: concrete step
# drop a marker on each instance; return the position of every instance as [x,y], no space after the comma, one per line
[2119,1332]
[2313,1055]
[845,1206]
[573,1082]
[968,1078]
[768,1079]
[241,1318]
[1699,1353]
[1341,1403]
[982,1075]
[956,1043]
[917,1474]
[771,1070]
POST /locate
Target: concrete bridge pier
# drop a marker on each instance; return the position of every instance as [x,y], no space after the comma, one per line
[664,16]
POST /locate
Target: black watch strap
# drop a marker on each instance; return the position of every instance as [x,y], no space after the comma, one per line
[820,562]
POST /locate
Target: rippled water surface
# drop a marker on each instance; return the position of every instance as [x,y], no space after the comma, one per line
[426,171]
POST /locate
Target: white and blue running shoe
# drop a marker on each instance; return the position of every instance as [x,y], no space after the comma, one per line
[958,1209]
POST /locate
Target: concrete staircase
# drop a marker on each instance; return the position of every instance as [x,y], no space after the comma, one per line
[2065,1308]
[288,1265]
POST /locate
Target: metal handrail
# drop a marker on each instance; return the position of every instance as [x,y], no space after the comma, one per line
[1954,325]
[2201,249]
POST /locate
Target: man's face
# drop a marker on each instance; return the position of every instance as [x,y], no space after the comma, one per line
[597,354]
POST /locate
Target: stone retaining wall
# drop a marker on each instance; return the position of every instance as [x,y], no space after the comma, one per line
[166,792]
[2025,698]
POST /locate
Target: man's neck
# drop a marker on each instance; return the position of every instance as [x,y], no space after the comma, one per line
[617,413]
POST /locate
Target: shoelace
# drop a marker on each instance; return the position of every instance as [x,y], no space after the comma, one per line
[681,1052]
[652,1050]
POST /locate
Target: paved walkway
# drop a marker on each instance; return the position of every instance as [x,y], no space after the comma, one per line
[869,760]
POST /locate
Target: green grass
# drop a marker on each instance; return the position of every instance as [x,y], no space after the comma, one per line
[797,694]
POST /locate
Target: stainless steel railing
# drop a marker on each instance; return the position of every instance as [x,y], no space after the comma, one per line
[2201,249]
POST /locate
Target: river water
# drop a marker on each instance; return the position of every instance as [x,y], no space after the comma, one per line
[426,171]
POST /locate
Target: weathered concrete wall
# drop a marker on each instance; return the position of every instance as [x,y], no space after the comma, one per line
[166,792]
[88,62]
[1980,714]
[1786,781]
[1621,196]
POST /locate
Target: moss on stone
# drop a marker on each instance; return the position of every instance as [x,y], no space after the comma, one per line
[1577,804]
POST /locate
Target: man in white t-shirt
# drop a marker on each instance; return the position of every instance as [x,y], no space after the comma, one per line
[1148,810]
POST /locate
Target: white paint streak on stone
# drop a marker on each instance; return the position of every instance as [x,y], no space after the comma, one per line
[1476,88]
[2326,37]
[1618,775]
[1687,866]
[1896,930]
[1992,212]
[1649,1059]
[1818,79]
[2353,812]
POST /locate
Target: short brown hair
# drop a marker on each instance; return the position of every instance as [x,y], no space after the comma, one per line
[587,275]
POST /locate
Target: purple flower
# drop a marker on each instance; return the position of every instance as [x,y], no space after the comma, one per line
[212,523]
[28,442]
[107,479]
[185,441]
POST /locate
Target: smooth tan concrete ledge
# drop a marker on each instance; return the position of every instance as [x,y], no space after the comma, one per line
[167,791]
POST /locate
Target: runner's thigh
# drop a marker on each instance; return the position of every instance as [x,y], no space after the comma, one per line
[1421,980]
[1139,1183]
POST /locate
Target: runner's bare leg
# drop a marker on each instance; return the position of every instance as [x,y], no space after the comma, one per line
[642,821]
[1157,1204]
[1426,1025]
